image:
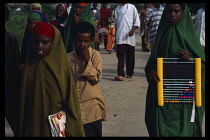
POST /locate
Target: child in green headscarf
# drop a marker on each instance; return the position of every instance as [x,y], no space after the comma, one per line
[176,37]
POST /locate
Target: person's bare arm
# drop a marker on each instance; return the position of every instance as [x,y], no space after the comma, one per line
[133,30]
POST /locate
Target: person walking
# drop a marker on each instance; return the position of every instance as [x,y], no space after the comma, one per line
[12,79]
[104,11]
[79,12]
[60,18]
[176,38]
[200,25]
[32,20]
[48,86]
[36,7]
[86,66]
[144,31]
[153,17]
[126,22]
[111,31]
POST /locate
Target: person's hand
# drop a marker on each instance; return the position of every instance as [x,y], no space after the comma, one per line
[183,54]
[153,77]
[131,33]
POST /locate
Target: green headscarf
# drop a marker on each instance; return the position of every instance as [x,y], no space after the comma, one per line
[174,119]
[68,30]
[47,88]
[35,16]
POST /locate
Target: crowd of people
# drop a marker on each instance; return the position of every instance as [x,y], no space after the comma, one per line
[59,66]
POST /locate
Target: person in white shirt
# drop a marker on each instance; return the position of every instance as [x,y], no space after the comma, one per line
[200,25]
[126,22]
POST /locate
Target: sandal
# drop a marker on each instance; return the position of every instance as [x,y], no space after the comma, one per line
[119,78]
[129,77]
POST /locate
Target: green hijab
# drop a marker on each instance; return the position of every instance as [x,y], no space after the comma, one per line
[47,88]
[170,39]
[68,30]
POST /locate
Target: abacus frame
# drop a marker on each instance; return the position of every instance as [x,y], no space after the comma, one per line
[160,93]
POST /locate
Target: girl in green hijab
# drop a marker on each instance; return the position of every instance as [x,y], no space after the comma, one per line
[79,12]
[176,37]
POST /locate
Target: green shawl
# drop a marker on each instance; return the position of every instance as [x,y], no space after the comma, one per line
[47,88]
[68,30]
[174,119]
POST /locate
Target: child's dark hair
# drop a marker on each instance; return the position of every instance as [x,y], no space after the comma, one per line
[6,13]
[84,27]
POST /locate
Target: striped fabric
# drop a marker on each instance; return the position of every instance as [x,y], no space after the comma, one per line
[155,15]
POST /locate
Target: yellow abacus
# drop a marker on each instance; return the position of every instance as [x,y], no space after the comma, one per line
[160,95]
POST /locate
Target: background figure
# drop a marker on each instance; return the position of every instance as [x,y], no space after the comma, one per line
[104,11]
[111,31]
[96,12]
[60,18]
[144,32]
[12,79]
[79,12]
[126,22]
[153,19]
[99,38]
[36,7]
[48,86]
[33,19]
[176,38]
[86,66]
[200,25]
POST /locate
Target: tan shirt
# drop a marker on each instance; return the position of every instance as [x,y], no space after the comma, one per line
[87,83]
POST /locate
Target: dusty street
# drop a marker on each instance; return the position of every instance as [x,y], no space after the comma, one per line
[125,100]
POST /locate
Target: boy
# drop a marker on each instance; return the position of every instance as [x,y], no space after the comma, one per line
[86,66]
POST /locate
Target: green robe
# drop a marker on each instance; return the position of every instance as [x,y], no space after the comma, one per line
[173,119]
[69,26]
[47,88]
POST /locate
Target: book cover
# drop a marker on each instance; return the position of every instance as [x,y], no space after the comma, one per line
[57,124]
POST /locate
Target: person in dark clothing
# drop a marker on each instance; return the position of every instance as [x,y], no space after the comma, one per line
[12,78]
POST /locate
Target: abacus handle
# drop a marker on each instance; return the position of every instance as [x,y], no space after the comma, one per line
[160,83]
[198,82]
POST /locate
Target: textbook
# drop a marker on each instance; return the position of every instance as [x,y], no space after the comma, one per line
[57,124]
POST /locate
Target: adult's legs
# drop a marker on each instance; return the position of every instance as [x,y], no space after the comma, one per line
[130,60]
[121,51]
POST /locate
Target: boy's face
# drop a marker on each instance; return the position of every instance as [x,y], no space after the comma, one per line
[83,41]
